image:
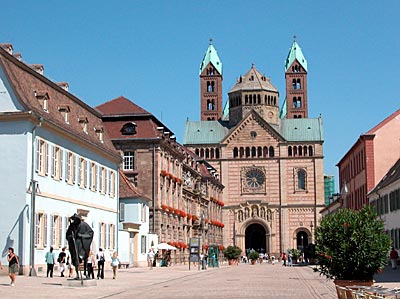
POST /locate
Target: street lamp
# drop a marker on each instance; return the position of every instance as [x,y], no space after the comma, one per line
[311,226]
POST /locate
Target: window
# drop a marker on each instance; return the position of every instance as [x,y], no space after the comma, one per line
[56,231]
[42,157]
[143,248]
[143,213]
[301,179]
[271,151]
[129,129]
[82,180]
[64,110]
[121,212]
[56,162]
[129,161]
[40,230]
[83,121]
[112,184]
[103,175]
[93,176]
[111,235]
[102,235]
[70,168]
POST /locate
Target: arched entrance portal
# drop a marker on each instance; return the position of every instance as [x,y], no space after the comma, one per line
[256,237]
[302,240]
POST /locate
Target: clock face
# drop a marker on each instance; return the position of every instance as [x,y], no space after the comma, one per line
[255,178]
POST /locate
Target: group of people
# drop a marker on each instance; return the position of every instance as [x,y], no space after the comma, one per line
[152,257]
[64,261]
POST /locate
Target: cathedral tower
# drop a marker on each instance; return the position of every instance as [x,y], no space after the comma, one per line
[296,83]
[211,85]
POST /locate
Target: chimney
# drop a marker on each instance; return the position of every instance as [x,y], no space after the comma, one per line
[18,56]
[63,85]
[8,48]
[38,68]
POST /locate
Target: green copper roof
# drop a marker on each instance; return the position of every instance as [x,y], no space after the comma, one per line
[204,132]
[211,56]
[295,53]
[225,113]
[283,112]
[302,129]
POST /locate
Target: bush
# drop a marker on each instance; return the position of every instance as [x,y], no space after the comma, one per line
[253,255]
[232,252]
[351,245]
[295,254]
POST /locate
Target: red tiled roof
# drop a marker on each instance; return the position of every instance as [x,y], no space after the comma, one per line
[25,82]
[126,189]
[121,106]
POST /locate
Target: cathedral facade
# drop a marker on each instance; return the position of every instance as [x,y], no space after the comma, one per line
[270,160]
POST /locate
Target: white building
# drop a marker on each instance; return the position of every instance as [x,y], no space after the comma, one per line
[55,160]
[385,197]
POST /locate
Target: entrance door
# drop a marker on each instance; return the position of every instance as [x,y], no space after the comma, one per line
[302,240]
[256,238]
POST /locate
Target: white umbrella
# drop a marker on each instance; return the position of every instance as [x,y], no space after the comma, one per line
[166,246]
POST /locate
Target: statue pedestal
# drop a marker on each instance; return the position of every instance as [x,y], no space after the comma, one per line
[77,283]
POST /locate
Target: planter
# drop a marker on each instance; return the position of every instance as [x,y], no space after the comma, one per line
[253,262]
[232,262]
[354,282]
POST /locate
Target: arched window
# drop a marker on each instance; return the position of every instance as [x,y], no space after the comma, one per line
[246,99]
[298,84]
[208,86]
[212,152]
[247,151]
[269,100]
[274,101]
[241,152]
[212,86]
[265,152]
[310,151]
[295,151]
[217,153]
[207,153]
[294,83]
[259,99]
[305,150]
[300,151]
[235,152]
[265,100]
[197,152]
[259,151]
[202,153]
[299,102]
[294,102]
[271,151]
[253,152]
[301,179]
[290,151]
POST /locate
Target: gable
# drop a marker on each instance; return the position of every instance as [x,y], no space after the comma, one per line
[8,100]
[251,130]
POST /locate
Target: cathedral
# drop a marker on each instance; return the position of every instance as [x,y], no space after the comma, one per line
[270,160]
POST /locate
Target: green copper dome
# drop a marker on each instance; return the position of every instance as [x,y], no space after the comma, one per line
[295,53]
[211,56]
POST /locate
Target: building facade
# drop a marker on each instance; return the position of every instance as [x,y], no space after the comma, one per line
[270,161]
[55,161]
[184,191]
[385,197]
[368,160]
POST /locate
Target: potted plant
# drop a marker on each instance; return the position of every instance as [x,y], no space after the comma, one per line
[232,253]
[253,256]
[295,255]
[351,246]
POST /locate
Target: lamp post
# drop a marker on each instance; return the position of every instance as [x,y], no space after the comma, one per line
[311,227]
[302,246]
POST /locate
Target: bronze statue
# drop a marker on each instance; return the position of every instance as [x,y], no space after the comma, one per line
[79,236]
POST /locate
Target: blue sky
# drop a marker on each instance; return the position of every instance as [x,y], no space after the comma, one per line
[150,52]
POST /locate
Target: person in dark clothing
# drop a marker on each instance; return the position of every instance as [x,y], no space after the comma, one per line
[100,264]
[13,264]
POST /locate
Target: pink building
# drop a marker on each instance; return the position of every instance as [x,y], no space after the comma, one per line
[368,160]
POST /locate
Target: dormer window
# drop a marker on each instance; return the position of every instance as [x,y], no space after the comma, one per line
[129,129]
[43,98]
[64,109]
[83,121]
[99,132]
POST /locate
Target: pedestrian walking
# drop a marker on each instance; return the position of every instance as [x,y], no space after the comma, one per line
[114,264]
[284,259]
[13,265]
[393,258]
[150,258]
[62,260]
[100,264]
[290,260]
[50,258]
[90,265]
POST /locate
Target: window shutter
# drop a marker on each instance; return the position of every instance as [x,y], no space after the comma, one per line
[67,166]
[85,166]
[52,231]
[100,245]
[90,175]
[73,168]
[98,170]
[37,229]
[44,230]
[108,236]
[61,163]
[121,212]
[80,169]
[66,224]
[46,162]
[53,161]
[37,142]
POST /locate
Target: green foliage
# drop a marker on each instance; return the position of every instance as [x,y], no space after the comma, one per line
[232,252]
[253,255]
[351,244]
[295,254]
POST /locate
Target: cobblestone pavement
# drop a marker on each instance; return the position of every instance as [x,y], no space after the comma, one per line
[242,281]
